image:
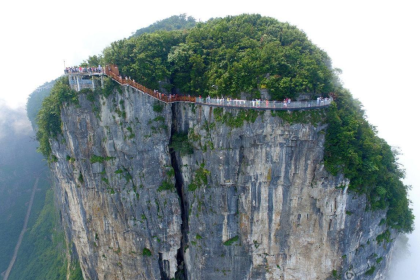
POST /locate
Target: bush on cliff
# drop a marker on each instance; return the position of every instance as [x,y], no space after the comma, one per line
[353,148]
[49,116]
[35,99]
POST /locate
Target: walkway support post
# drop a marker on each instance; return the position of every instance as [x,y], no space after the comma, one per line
[78,84]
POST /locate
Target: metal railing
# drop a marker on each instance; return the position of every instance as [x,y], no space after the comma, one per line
[158,95]
[265,104]
[113,72]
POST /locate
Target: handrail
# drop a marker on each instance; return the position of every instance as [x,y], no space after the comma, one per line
[112,71]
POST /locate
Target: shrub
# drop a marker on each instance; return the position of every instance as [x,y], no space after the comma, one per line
[179,143]
[49,116]
[147,252]
[231,241]
[158,107]
[353,148]
[200,178]
[166,186]
[385,236]
[95,159]
[370,271]
[235,121]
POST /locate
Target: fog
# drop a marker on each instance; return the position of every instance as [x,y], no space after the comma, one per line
[405,265]
[17,141]
[13,121]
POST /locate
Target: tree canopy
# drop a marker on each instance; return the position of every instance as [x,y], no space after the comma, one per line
[227,56]
[353,148]
[179,22]
[34,103]
[49,116]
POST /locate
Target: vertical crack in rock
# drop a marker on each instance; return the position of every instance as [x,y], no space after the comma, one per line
[240,161]
[164,268]
[181,273]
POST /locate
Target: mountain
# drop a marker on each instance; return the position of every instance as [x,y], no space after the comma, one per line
[155,190]
[180,22]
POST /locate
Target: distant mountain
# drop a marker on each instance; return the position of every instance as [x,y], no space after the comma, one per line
[35,100]
[172,23]
[43,251]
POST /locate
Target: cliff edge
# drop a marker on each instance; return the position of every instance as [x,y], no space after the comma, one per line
[160,191]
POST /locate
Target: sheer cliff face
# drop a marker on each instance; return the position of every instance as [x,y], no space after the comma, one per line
[252,202]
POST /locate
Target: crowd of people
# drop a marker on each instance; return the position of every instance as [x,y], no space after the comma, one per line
[258,103]
[322,100]
[80,69]
[170,97]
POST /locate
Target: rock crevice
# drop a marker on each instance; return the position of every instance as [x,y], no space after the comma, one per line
[181,272]
[249,202]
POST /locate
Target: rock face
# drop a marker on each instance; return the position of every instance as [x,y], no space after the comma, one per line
[252,201]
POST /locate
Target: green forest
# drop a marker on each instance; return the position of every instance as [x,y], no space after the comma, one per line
[226,56]
[246,53]
[179,22]
[34,103]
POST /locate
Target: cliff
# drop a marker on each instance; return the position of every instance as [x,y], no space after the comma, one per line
[246,196]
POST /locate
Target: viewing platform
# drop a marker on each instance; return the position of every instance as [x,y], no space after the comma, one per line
[87,77]
[80,78]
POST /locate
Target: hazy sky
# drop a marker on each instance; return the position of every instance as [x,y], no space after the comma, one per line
[375,43]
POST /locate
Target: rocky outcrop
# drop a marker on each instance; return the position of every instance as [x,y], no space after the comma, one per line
[251,201]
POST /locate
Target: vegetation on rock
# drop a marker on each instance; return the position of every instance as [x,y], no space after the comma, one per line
[228,56]
[353,148]
[181,144]
[49,118]
[231,241]
[35,99]
[235,121]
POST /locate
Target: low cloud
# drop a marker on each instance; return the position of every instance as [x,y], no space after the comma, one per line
[13,122]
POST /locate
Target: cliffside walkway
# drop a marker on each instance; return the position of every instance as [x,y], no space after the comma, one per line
[112,72]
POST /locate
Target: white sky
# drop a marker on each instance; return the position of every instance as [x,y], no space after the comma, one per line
[375,43]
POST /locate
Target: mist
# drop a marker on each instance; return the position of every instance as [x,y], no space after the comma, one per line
[18,156]
[405,262]
[13,122]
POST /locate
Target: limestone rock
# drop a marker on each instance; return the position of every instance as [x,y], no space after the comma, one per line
[253,202]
